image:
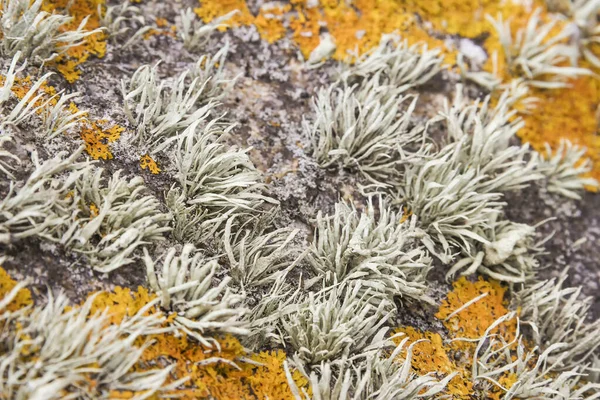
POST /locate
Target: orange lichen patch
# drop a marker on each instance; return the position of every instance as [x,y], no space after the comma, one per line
[355,28]
[442,356]
[472,322]
[214,372]
[219,372]
[97,139]
[97,134]
[431,356]
[146,162]
[23,297]
[68,63]
[161,31]
[211,9]
[269,381]
[161,22]
[305,28]
[45,92]
[121,303]
[566,114]
[466,18]
[94,211]
[269,22]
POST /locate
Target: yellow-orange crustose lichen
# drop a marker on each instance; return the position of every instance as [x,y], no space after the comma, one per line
[442,357]
[97,138]
[566,114]
[23,297]
[68,64]
[227,378]
[146,162]
[96,134]
[355,28]
[269,20]
[472,322]
[230,378]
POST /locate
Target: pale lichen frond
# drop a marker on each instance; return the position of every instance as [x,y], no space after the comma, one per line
[186,286]
[196,34]
[58,119]
[379,373]
[397,64]
[34,100]
[58,350]
[8,160]
[366,128]
[378,248]
[35,33]
[158,109]
[126,219]
[256,254]
[531,373]
[558,315]
[120,19]
[42,206]
[510,254]
[332,324]
[215,181]
[456,192]
[565,170]
[536,55]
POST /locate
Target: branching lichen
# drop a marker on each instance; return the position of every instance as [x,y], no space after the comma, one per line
[565,170]
[377,249]
[35,33]
[185,286]
[125,220]
[158,109]
[558,320]
[56,351]
[330,325]
[363,127]
[215,182]
[397,64]
[536,54]
[257,256]
[194,33]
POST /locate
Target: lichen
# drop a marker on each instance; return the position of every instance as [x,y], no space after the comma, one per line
[146,162]
[213,372]
[94,45]
[23,298]
[435,354]
[566,114]
[97,134]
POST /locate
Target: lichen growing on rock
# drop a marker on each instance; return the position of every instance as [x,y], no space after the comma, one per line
[299,200]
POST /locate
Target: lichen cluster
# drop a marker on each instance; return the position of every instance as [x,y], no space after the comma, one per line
[161,256]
